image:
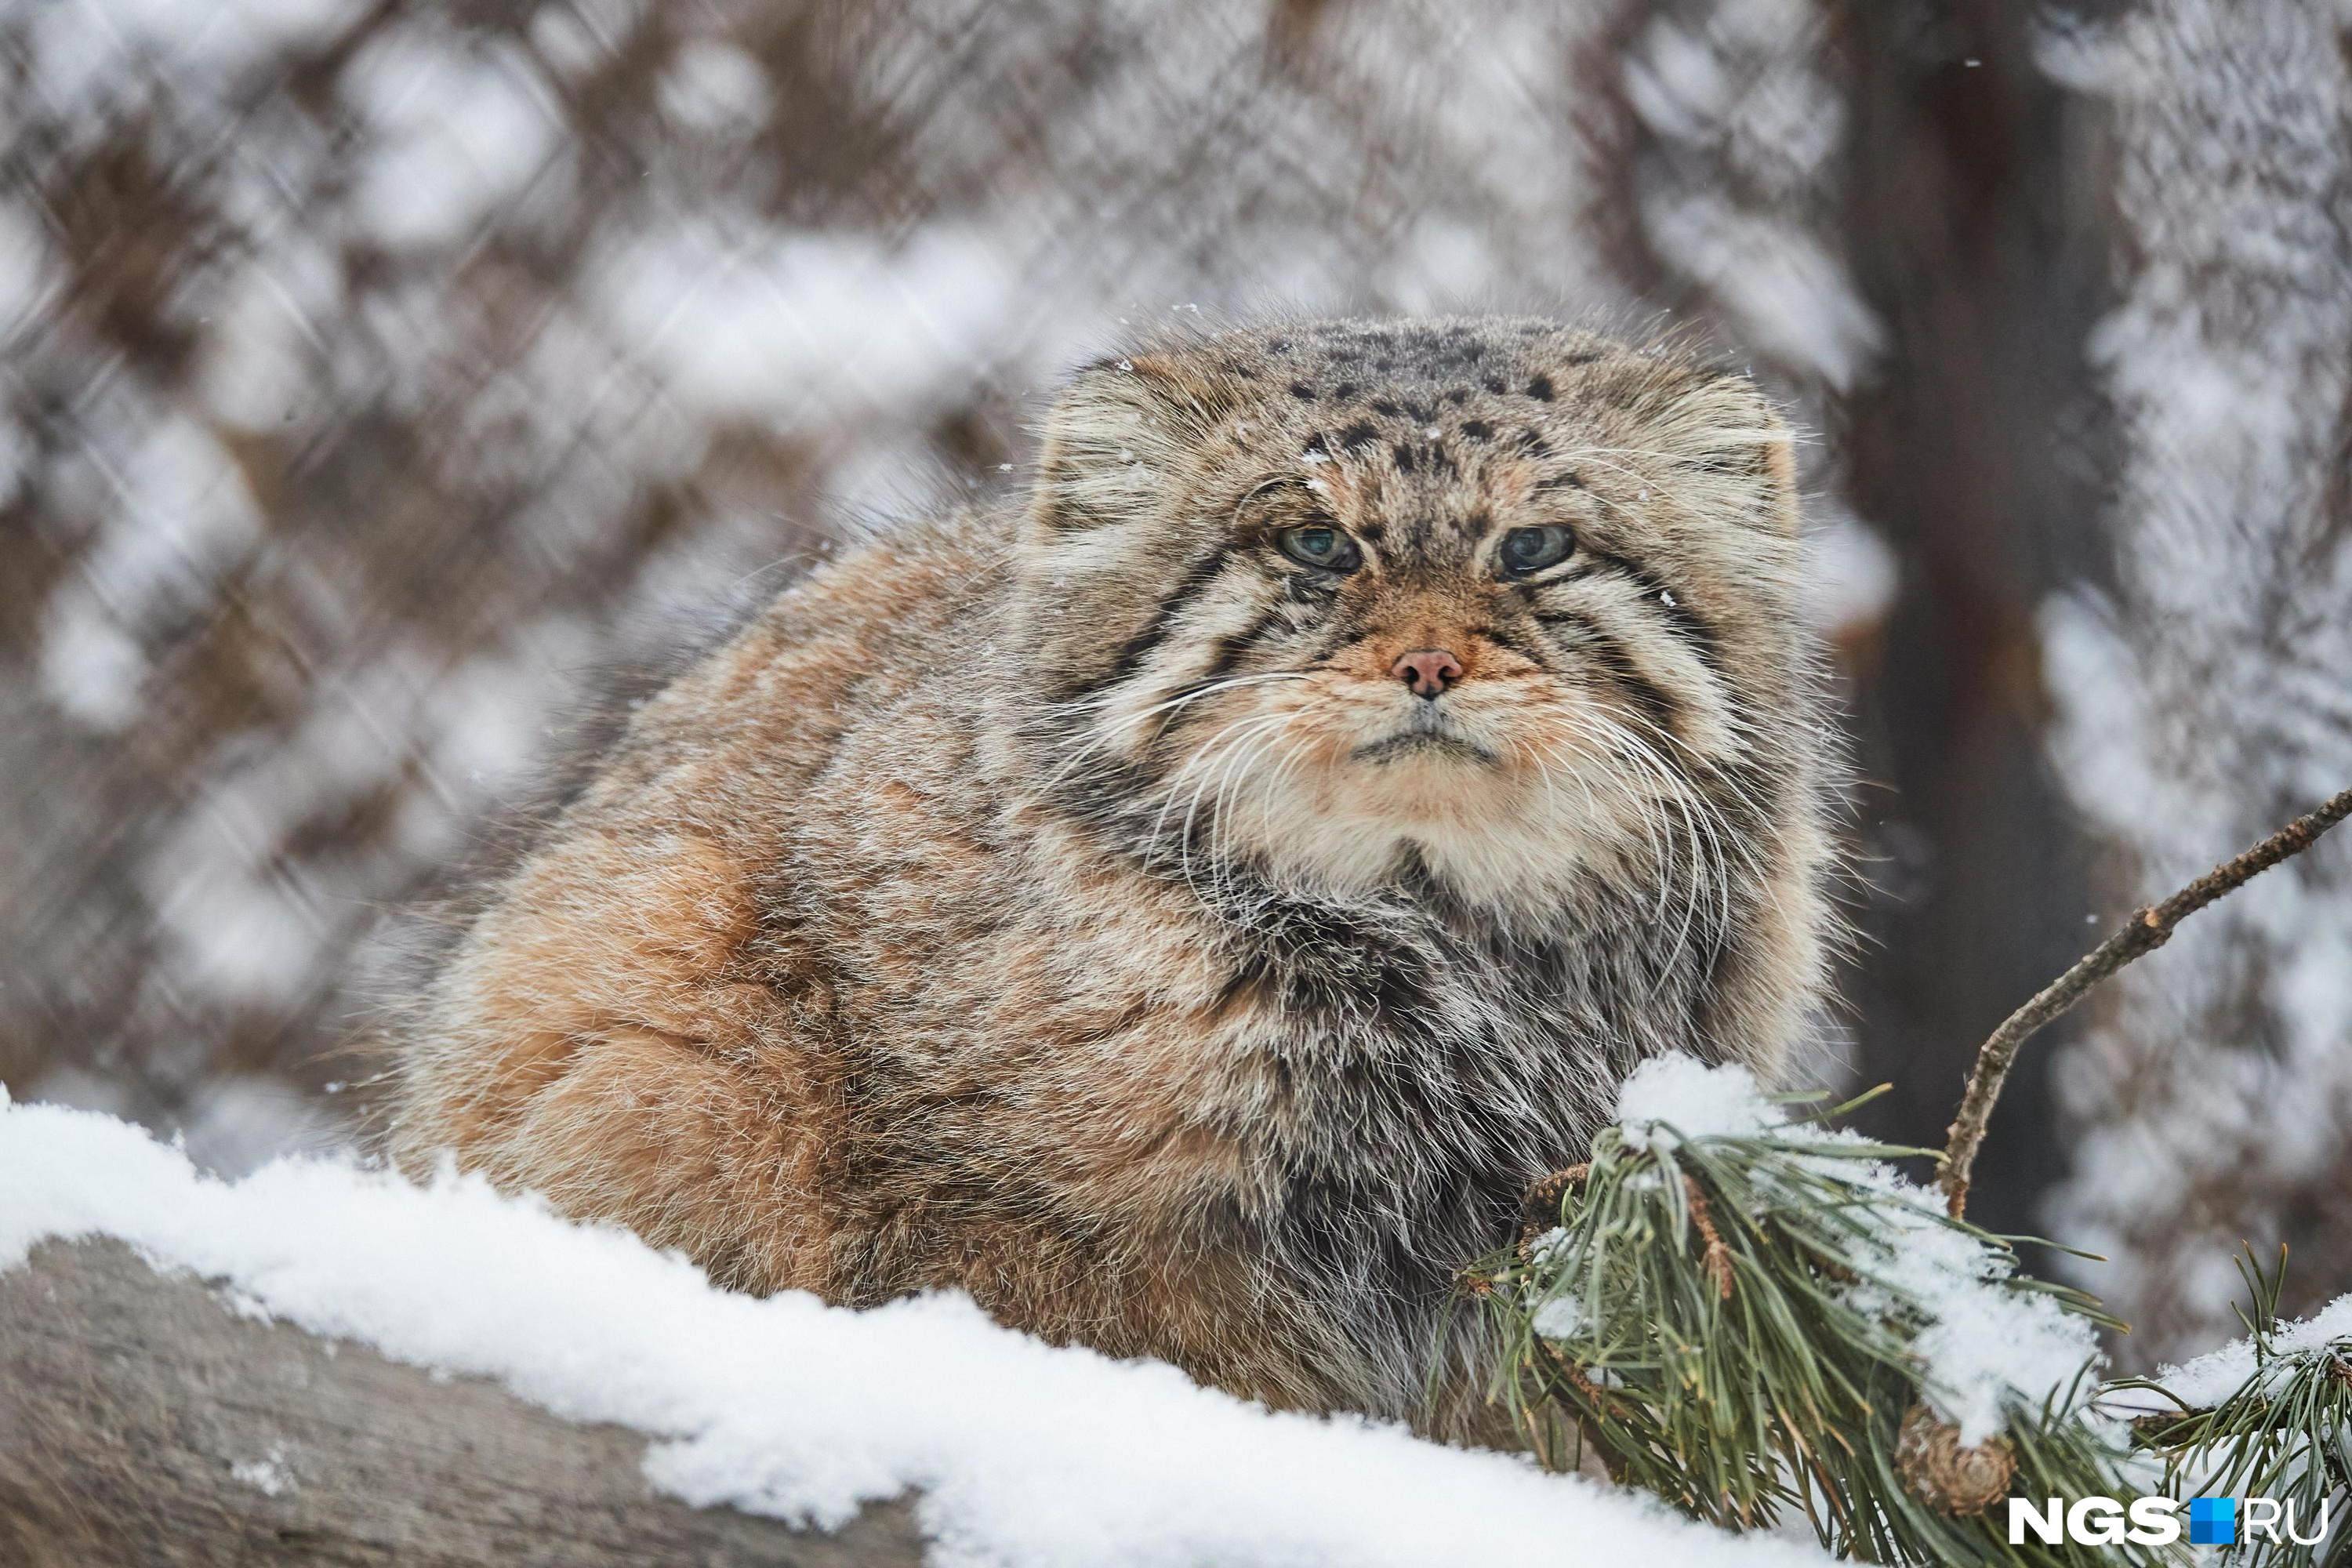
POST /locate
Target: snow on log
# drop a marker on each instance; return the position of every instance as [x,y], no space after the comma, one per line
[370,1371]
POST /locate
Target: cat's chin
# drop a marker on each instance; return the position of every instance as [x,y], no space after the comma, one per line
[1429,811]
[1421,745]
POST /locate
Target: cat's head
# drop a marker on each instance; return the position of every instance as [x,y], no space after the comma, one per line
[1492,601]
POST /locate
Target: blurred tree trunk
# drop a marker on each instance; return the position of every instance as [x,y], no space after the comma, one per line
[1967,239]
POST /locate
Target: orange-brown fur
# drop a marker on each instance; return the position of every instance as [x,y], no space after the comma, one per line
[904,944]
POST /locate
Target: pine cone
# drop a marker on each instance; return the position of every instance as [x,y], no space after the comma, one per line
[1946,1476]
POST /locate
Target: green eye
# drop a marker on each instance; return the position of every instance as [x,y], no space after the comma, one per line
[1320,544]
[1526,550]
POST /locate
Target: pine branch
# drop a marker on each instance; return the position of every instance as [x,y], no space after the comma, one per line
[2147,931]
[1735,1322]
[2285,1432]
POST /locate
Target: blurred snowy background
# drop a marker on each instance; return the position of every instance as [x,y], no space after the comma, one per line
[372,373]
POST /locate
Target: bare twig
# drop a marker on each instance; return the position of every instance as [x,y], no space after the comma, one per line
[1716,1260]
[1604,1402]
[2147,931]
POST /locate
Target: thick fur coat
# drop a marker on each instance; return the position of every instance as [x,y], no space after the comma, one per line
[1117,908]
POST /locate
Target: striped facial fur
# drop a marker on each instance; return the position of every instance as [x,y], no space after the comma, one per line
[1499,608]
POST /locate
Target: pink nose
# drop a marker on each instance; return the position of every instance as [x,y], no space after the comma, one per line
[1428,671]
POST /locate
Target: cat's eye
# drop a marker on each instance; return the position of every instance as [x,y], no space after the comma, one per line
[1526,550]
[1322,545]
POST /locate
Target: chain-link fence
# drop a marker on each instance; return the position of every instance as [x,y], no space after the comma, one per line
[374,373]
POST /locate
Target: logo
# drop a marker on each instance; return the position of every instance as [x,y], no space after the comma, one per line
[2156,1521]
[2213,1521]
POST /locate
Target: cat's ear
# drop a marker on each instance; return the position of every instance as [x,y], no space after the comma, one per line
[1740,453]
[1118,438]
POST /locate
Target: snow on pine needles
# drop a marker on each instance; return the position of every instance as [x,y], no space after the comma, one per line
[1750,1314]
[2269,1417]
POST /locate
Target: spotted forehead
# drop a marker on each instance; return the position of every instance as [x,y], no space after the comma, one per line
[1421,367]
[1422,398]
[1423,432]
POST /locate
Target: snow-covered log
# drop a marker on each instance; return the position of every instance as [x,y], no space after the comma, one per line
[324,1363]
[144,1420]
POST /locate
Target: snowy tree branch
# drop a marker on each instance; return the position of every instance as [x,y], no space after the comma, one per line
[143,1422]
[2147,931]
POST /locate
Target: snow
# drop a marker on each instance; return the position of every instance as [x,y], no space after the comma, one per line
[1988,1347]
[89,666]
[461,132]
[2200,686]
[2213,1377]
[180,514]
[1751,94]
[1561,1318]
[222,35]
[25,259]
[270,1477]
[1693,1099]
[239,1121]
[1747,104]
[1020,1453]
[715,88]
[1851,576]
[797,327]
[232,1124]
[255,366]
